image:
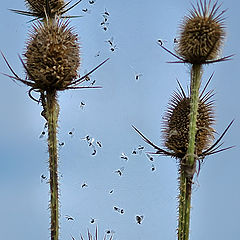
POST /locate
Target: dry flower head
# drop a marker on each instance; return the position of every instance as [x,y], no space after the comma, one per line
[44,9]
[38,7]
[176,127]
[176,124]
[52,56]
[201,33]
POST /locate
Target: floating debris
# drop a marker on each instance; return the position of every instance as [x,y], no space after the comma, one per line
[149,157]
[91,142]
[139,219]
[138,75]
[82,104]
[92,221]
[119,210]
[120,171]
[70,133]
[153,168]
[94,152]
[69,218]
[134,152]
[124,156]
[84,185]
[97,54]
[43,178]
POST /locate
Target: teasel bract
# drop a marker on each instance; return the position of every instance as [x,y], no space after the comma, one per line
[188,128]
[43,9]
[51,62]
[40,7]
[91,236]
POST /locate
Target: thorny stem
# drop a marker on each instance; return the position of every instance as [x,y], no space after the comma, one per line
[52,111]
[196,74]
[184,205]
[188,165]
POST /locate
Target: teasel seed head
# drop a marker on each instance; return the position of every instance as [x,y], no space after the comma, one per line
[176,125]
[201,33]
[52,56]
[38,7]
[176,129]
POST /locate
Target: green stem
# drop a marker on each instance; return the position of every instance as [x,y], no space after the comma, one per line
[188,164]
[196,74]
[52,110]
[184,206]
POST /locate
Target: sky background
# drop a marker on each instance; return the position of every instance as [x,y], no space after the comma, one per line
[107,116]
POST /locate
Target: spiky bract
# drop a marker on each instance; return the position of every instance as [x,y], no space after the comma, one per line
[40,7]
[201,33]
[176,125]
[92,237]
[52,56]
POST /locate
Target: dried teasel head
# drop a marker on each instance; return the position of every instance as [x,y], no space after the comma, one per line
[51,59]
[52,56]
[201,33]
[42,7]
[176,124]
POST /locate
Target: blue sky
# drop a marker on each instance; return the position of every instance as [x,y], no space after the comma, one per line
[107,116]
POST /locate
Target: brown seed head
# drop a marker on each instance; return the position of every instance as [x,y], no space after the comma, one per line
[176,125]
[52,56]
[201,34]
[38,7]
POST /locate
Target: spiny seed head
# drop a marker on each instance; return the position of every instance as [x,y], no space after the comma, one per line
[176,125]
[52,56]
[201,33]
[38,7]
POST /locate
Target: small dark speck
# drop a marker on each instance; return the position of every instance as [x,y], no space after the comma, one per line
[153,168]
[160,42]
[92,220]
[139,219]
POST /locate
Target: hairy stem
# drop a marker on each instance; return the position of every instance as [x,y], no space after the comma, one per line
[184,205]
[188,164]
[52,110]
[196,74]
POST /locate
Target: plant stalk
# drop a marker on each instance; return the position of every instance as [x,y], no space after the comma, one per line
[184,206]
[196,74]
[188,164]
[52,111]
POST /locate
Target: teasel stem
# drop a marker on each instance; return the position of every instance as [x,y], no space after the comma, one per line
[52,111]
[188,164]
[52,118]
[196,74]
[184,205]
